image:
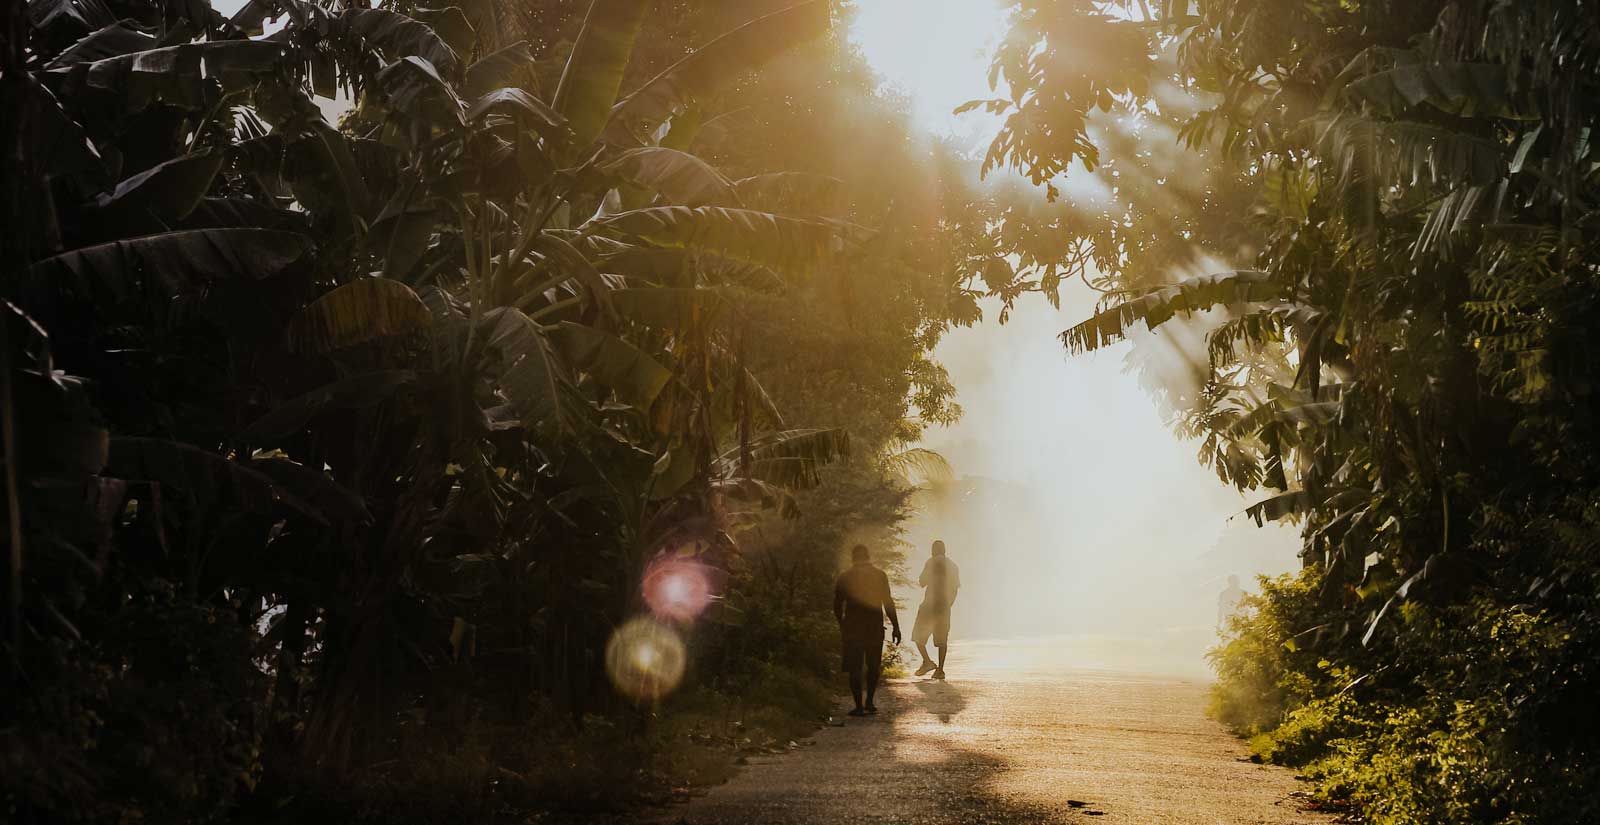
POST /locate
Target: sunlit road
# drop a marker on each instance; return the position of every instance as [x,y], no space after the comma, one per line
[1015,738]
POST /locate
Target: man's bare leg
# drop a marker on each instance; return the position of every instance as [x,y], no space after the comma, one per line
[927,661]
[943,649]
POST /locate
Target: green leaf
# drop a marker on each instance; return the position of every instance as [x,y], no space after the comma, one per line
[357,391]
[1461,89]
[1158,306]
[593,74]
[631,373]
[360,312]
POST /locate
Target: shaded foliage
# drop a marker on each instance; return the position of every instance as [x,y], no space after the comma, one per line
[1407,370]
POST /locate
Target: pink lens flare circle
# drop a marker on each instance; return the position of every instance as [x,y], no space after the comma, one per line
[678,589]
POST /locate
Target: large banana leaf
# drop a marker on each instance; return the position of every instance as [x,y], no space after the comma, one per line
[1157,307]
[1461,89]
[314,488]
[398,36]
[177,75]
[414,85]
[164,194]
[636,377]
[713,66]
[742,234]
[593,74]
[533,377]
[160,267]
[109,41]
[362,311]
[679,177]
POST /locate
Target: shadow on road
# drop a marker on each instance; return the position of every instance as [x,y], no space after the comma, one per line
[941,699]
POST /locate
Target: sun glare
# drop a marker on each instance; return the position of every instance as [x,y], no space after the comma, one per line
[934,51]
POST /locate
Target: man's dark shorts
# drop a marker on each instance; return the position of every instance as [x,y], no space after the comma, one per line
[862,651]
[932,620]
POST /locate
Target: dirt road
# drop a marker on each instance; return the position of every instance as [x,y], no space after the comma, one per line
[1011,740]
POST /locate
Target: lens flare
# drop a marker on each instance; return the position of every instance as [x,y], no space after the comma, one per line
[645,659]
[678,589]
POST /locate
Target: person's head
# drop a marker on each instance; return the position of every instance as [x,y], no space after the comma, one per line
[938,549]
[1233,581]
[859,554]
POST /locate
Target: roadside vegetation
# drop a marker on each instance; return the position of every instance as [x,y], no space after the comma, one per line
[337,449]
[1377,222]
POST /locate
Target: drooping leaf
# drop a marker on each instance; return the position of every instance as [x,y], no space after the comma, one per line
[362,311]
[398,37]
[792,459]
[679,177]
[315,489]
[1158,306]
[164,194]
[522,107]
[157,268]
[533,377]
[415,85]
[1279,506]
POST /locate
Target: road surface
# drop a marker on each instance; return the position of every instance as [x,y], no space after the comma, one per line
[1012,738]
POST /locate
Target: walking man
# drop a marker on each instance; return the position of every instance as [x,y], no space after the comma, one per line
[861,599]
[940,579]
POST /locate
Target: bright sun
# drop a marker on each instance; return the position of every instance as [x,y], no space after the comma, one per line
[935,51]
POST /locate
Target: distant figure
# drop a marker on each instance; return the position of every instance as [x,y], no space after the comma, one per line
[940,579]
[861,598]
[1229,601]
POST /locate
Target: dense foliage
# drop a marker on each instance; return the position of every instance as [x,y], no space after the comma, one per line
[335,452]
[1407,367]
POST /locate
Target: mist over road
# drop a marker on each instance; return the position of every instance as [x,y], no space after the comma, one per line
[1015,736]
